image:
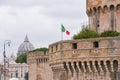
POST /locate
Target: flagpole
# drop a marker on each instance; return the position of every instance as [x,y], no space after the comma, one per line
[61,36]
[62,30]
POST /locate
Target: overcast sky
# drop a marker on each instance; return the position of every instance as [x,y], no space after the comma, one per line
[40,19]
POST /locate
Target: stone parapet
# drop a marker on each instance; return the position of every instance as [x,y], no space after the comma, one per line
[98,57]
[39,68]
[103,15]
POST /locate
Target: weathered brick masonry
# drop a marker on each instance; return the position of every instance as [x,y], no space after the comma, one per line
[90,59]
[39,68]
[86,59]
[104,14]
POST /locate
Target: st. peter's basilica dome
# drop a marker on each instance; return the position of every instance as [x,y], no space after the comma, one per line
[26,46]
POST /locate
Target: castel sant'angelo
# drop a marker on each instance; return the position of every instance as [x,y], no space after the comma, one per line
[94,58]
[84,59]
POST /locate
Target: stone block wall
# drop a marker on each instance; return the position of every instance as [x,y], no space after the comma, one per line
[104,15]
[39,68]
[92,59]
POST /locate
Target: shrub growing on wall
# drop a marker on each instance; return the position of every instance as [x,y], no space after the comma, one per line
[86,33]
[110,33]
[40,49]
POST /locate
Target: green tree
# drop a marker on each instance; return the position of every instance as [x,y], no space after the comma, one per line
[22,58]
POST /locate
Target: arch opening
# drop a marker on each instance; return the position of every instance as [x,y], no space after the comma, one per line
[115,65]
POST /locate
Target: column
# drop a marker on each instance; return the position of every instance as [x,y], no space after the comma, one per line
[95,72]
[69,72]
[112,69]
[79,73]
[118,72]
[90,71]
[107,75]
[84,74]
[74,72]
[101,71]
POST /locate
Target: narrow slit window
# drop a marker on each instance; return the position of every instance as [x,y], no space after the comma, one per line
[74,45]
[56,47]
[112,17]
[51,49]
[95,44]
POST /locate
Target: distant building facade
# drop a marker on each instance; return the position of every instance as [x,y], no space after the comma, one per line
[25,47]
[19,70]
[39,68]
[2,72]
[16,70]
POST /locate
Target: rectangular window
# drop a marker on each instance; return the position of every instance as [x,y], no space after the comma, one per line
[56,47]
[74,45]
[16,75]
[51,49]
[95,44]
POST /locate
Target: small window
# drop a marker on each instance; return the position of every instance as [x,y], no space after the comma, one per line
[74,45]
[95,44]
[56,47]
[16,75]
[51,49]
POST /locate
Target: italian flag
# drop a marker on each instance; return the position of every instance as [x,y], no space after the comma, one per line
[64,30]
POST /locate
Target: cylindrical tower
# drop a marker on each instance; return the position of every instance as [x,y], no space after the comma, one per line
[104,15]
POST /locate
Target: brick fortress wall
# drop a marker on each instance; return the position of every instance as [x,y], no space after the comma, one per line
[39,68]
[86,59]
[104,15]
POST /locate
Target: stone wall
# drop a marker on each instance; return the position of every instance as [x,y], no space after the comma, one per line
[39,68]
[104,15]
[92,59]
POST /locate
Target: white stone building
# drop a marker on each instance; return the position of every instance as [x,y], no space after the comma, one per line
[17,70]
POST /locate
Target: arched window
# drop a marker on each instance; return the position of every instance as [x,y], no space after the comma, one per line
[96,18]
[11,75]
[97,66]
[118,7]
[16,75]
[108,65]
[115,65]
[102,66]
[86,66]
[112,17]
[81,67]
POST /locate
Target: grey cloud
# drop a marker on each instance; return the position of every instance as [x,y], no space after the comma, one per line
[39,2]
[65,11]
[40,19]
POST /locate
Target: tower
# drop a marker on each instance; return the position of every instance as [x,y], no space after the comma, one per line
[91,58]
[103,15]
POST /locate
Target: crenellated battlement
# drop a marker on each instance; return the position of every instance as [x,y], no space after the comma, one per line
[39,68]
[104,15]
[93,58]
[101,3]
[98,56]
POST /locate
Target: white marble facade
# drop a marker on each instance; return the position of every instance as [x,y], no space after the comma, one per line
[16,70]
